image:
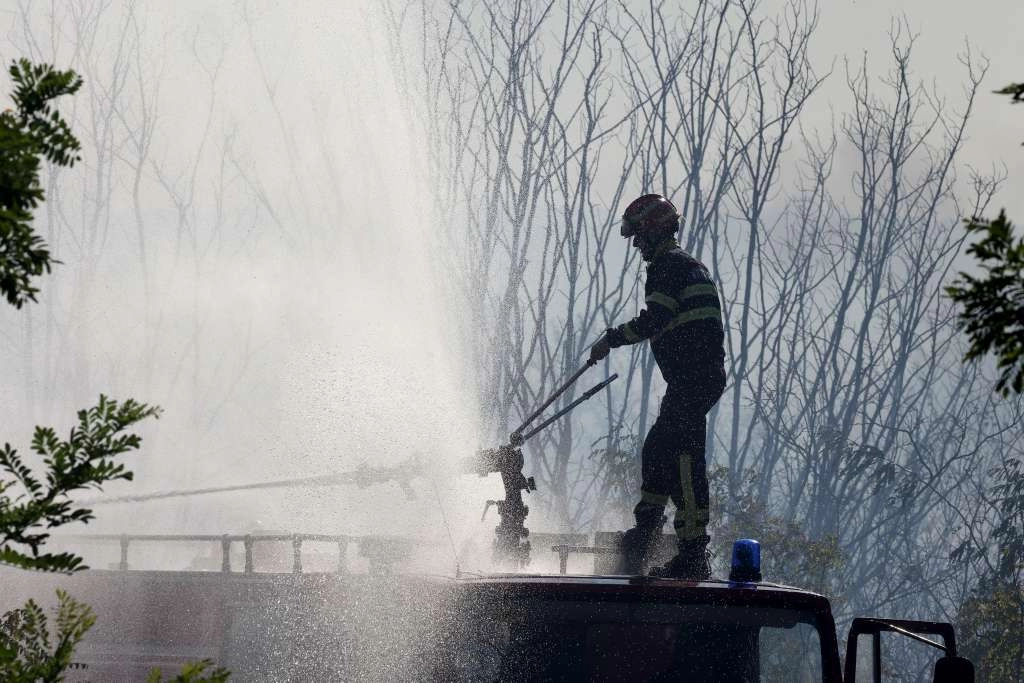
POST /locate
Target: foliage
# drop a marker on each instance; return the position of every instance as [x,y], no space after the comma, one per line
[34,650]
[993,314]
[84,460]
[31,649]
[1009,532]
[29,652]
[1014,89]
[791,557]
[195,672]
[991,629]
[34,130]
[991,620]
[1016,92]
[993,305]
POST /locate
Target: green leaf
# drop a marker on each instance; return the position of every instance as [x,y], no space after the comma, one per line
[992,306]
[32,133]
[194,672]
[34,648]
[86,459]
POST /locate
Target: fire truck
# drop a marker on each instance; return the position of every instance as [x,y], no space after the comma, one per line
[521,627]
[389,624]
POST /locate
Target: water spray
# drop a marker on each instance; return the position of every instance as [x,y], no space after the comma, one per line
[361,477]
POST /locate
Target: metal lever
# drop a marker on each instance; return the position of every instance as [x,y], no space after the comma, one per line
[516,438]
[587,394]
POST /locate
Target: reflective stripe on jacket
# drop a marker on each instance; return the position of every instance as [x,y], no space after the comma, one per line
[682,318]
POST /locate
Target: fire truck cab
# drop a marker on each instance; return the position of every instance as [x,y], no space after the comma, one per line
[517,627]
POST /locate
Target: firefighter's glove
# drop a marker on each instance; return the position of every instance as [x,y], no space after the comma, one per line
[599,351]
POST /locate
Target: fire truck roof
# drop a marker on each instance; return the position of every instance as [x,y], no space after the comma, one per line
[715,591]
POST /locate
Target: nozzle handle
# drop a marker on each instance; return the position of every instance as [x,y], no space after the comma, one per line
[586,395]
[517,435]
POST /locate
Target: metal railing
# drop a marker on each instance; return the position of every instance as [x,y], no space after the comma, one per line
[381,551]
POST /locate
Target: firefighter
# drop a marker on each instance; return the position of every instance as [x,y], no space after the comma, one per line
[683,321]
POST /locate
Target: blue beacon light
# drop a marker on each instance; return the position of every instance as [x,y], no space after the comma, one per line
[746,561]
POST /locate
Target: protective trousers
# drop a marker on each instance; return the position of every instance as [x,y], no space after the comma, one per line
[673,464]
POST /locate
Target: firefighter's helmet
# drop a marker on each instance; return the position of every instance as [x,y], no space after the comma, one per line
[651,213]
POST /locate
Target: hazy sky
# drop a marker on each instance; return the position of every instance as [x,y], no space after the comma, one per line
[853,28]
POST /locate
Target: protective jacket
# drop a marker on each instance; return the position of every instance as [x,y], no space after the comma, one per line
[683,318]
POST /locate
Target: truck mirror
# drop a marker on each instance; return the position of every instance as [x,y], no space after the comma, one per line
[953,670]
[948,669]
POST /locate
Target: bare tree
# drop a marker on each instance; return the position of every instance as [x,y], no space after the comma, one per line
[848,414]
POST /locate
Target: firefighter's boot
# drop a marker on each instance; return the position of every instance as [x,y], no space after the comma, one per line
[635,548]
[691,564]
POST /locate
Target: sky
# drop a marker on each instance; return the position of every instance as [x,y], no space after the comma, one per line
[852,29]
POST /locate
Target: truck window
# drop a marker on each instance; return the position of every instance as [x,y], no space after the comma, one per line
[562,641]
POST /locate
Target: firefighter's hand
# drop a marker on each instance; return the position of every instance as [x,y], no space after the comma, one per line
[599,351]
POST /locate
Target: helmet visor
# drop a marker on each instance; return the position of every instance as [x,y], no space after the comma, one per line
[629,226]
